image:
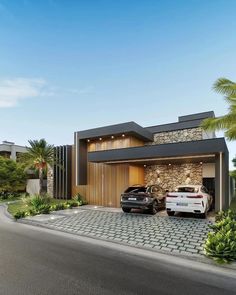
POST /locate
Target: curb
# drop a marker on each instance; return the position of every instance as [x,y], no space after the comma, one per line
[6,213]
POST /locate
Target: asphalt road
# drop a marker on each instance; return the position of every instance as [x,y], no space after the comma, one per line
[39,261]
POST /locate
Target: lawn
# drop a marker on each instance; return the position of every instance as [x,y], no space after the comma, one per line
[233,205]
[22,206]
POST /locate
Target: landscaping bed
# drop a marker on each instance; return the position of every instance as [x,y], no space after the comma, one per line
[30,206]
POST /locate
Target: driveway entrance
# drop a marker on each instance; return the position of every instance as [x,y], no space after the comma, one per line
[172,234]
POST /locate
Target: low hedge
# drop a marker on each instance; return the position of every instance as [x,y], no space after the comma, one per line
[41,205]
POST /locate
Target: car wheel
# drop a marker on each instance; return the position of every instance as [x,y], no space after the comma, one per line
[170,213]
[203,215]
[154,208]
[126,210]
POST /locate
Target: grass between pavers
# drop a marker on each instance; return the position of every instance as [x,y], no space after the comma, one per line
[233,204]
[22,206]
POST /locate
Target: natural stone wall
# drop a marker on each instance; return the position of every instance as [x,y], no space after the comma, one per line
[50,181]
[168,177]
[178,136]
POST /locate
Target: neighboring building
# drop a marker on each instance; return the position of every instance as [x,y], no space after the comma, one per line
[104,161]
[10,150]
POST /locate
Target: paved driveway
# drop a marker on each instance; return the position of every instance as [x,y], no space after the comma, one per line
[172,234]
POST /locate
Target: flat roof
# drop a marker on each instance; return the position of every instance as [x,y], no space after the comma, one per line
[187,148]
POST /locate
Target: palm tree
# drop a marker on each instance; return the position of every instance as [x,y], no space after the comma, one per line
[40,156]
[228,121]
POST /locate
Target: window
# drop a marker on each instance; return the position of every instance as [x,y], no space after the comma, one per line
[187,189]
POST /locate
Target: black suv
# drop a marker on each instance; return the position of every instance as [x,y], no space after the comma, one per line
[149,198]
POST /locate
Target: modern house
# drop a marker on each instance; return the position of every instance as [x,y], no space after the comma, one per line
[10,150]
[104,161]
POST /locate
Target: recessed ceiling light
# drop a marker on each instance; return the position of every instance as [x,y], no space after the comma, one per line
[100,138]
[123,135]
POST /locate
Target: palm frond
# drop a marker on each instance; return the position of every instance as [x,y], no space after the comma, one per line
[224,122]
[225,86]
[230,134]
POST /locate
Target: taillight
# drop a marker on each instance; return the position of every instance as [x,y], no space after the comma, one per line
[171,196]
[195,197]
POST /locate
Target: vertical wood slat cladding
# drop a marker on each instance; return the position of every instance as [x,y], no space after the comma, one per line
[136,175]
[109,144]
[106,182]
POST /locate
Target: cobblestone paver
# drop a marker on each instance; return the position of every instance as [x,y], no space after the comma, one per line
[172,234]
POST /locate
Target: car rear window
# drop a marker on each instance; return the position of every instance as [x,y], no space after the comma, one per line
[187,189]
[134,189]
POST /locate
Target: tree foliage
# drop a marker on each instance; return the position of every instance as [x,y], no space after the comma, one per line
[40,155]
[228,121]
[12,176]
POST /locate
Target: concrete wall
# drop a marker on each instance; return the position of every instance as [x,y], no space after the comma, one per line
[32,186]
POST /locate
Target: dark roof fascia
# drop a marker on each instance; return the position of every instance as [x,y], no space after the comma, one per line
[174,126]
[131,128]
[198,116]
[190,148]
[185,122]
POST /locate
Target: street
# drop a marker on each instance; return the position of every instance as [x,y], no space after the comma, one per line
[40,261]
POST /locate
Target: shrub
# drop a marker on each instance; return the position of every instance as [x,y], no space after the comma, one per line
[37,201]
[44,209]
[80,199]
[59,206]
[19,214]
[221,246]
[221,243]
[71,204]
[223,214]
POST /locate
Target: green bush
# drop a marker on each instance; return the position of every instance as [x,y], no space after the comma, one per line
[59,206]
[19,214]
[221,243]
[44,209]
[71,204]
[37,201]
[223,214]
[81,201]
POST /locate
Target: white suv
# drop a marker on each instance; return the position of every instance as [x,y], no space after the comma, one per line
[189,198]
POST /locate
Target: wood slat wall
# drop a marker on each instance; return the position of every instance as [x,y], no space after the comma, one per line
[116,143]
[107,182]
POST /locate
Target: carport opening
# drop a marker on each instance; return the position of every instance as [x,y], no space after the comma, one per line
[169,173]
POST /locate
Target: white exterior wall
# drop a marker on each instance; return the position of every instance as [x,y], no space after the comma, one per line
[208,170]
[32,186]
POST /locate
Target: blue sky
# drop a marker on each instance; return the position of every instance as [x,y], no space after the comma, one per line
[74,65]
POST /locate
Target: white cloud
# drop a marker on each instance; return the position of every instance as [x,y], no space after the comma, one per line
[12,91]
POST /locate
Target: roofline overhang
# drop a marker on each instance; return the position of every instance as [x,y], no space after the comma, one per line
[190,148]
[129,128]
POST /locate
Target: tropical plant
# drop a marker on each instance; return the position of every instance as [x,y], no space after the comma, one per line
[228,121]
[40,156]
[12,177]
[37,201]
[221,244]
[221,241]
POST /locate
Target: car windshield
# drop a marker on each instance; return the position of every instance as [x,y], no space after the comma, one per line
[187,189]
[135,189]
